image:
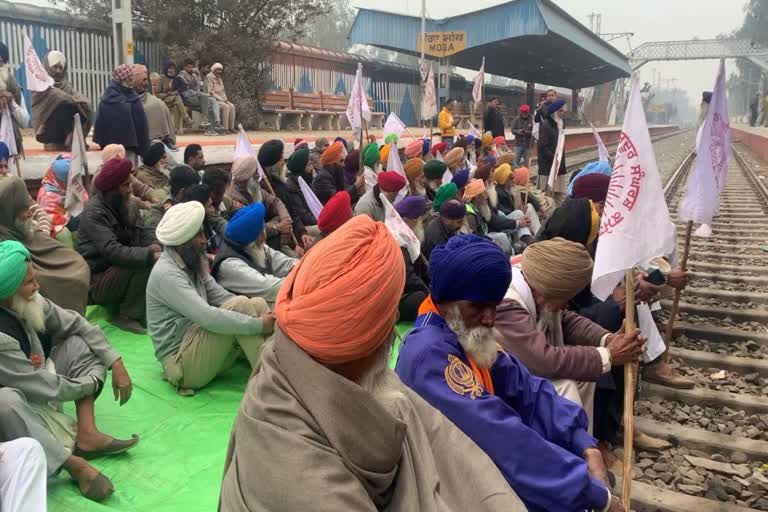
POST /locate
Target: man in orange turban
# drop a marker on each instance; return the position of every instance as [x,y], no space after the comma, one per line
[507,196]
[330,178]
[324,393]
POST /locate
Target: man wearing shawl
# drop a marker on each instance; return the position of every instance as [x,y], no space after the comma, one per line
[183,178]
[506,197]
[304,222]
[450,219]
[323,393]
[153,172]
[166,91]
[159,119]
[433,177]
[50,355]
[62,274]
[215,87]
[245,264]
[198,328]
[549,131]
[485,221]
[330,178]
[10,97]
[389,184]
[121,118]
[53,109]
[537,439]
[371,165]
[52,197]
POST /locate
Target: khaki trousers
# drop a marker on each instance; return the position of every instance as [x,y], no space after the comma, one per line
[203,354]
[227,115]
[582,393]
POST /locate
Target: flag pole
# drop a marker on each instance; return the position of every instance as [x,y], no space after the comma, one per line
[482,99]
[630,370]
[676,300]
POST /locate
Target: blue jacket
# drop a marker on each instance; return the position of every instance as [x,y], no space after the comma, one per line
[535,437]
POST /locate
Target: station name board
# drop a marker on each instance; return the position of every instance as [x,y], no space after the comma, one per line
[442,44]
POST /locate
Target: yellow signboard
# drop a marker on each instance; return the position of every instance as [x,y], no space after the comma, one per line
[129,47]
[442,44]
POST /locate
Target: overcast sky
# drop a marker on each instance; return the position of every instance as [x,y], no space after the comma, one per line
[650,20]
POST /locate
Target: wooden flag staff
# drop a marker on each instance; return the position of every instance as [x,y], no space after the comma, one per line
[678,292]
[630,371]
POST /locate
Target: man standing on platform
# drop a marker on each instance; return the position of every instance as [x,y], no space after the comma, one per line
[522,129]
[493,121]
[446,123]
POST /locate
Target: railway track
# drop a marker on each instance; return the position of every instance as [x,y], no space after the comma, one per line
[719,429]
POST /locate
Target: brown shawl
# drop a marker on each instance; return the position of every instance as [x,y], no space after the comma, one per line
[63,275]
[45,103]
[308,439]
[159,117]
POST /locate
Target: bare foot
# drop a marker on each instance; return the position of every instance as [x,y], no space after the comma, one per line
[93,485]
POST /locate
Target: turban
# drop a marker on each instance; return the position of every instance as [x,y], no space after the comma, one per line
[371,155]
[16,198]
[469,268]
[491,160]
[434,169]
[414,168]
[297,162]
[113,174]
[352,163]
[454,157]
[270,153]
[414,148]
[389,139]
[487,139]
[440,147]
[244,168]
[111,151]
[524,109]
[350,283]
[461,143]
[122,73]
[557,269]
[453,209]
[336,212]
[153,154]
[500,140]
[443,194]
[598,167]
[425,146]
[572,221]
[470,139]
[555,106]
[180,223]
[183,176]
[168,63]
[139,72]
[384,154]
[502,174]
[706,96]
[521,176]
[55,57]
[483,171]
[506,158]
[390,181]
[461,178]
[247,223]
[342,140]
[592,186]
[217,65]
[4,53]
[332,154]
[60,169]
[412,207]
[5,153]
[474,189]
[300,143]
[13,267]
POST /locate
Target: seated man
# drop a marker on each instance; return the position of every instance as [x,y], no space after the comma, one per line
[23,476]
[304,222]
[194,157]
[483,221]
[537,439]
[508,193]
[63,274]
[182,178]
[117,245]
[371,165]
[50,355]
[198,328]
[270,157]
[389,183]
[447,224]
[121,118]
[359,439]
[166,91]
[414,171]
[411,209]
[329,177]
[217,181]
[321,144]
[159,120]
[433,177]
[153,172]
[245,265]
[215,86]
[187,82]
[53,109]
[334,214]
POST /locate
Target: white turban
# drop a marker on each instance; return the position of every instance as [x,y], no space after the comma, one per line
[56,57]
[217,66]
[180,223]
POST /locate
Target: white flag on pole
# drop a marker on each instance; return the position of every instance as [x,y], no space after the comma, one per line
[477,90]
[635,226]
[393,125]
[358,99]
[473,132]
[400,230]
[429,103]
[602,151]
[74,202]
[313,203]
[394,164]
[557,160]
[38,78]
[713,153]
[243,147]
[7,136]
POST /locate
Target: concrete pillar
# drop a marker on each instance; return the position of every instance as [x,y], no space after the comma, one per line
[575,103]
[122,31]
[530,93]
[443,81]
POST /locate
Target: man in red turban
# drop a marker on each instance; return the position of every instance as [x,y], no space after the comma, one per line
[389,184]
[324,393]
[334,214]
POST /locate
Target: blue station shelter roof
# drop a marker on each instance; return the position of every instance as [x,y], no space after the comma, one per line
[530,40]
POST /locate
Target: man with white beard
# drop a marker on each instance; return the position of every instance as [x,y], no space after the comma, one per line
[412,210]
[245,264]
[537,439]
[50,355]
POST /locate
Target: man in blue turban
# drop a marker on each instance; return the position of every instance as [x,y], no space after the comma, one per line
[245,264]
[5,155]
[538,440]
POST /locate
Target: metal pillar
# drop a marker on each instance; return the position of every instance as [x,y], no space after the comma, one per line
[443,81]
[575,103]
[122,31]
[530,92]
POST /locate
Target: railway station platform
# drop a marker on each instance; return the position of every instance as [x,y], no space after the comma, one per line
[754,137]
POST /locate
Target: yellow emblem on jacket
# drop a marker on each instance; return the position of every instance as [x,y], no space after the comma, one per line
[461,379]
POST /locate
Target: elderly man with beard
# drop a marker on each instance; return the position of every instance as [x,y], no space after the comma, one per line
[330,178]
[63,274]
[153,172]
[538,439]
[334,214]
[159,119]
[50,355]
[270,157]
[389,184]
[506,195]
[54,108]
[198,328]
[305,227]
[371,165]
[433,177]
[183,178]
[119,248]
[447,224]
[245,265]
[412,209]
[482,220]
[358,438]
[414,171]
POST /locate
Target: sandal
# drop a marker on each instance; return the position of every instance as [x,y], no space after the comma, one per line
[115,447]
[98,489]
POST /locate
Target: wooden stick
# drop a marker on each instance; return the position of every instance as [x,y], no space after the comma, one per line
[676,301]
[630,370]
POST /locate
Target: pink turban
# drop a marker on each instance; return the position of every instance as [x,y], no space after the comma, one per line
[244,168]
[111,151]
[414,149]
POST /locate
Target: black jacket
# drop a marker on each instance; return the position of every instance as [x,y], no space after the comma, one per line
[414,281]
[329,181]
[494,122]
[548,133]
[435,234]
[522,129]
[506,203]
[278,185]
[297,207]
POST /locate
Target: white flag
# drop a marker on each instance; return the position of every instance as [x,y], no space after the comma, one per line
[477,90]
[602,151]
[394,164]
[358,108]
[635,226]
[313,203]
[429,103]
[74,202]
[243,148]
[393,125]
[713,153]
[473,132]
[38,78]
[557,160]
[400,230]
[7,136]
